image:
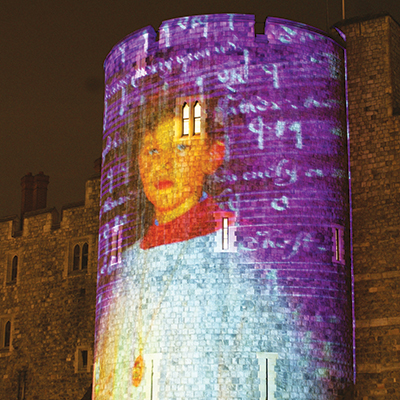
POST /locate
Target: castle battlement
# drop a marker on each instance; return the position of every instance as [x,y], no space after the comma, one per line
[224,225]
[48,270]
[188,43]
[45,220]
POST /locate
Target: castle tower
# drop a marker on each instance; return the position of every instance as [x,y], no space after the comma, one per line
[224,255]
[373,53]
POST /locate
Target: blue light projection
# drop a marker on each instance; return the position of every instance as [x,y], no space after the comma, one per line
[224,267]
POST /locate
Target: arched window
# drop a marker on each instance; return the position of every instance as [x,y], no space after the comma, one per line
[77,256]
[185,119]
[7,334]
[14,269]
[85,255]
[196,118]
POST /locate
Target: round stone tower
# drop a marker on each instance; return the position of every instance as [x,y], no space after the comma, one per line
[224,265]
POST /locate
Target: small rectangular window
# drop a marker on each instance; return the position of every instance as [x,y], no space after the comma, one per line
[152,375]
[190,113]
[85,256]
[13,267]
[267,375]
[5,334]
[78,260]
[337,244]
[225,233]
[77,257]
[82,359]
[185,119]
[197,118]
[21,384]
[338,247]
[115,244]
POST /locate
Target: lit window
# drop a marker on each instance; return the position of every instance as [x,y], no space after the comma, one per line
[77,257]
[337,244]
[115,244]
[85,256]
[14,269]
[267,375]
[152,361]
[197,118]
[189,111]
[185,119]
[225,233]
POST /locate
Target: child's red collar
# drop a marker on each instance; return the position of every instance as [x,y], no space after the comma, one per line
[202,219]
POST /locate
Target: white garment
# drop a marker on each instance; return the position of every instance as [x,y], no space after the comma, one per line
[189,303]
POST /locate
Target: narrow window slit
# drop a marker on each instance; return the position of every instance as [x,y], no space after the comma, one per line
[185,119]
[337,244]
[266,379]
[225,233]
[197,118]
[85,256]
[152,379]
[14,269]
[7,335]
[77,257]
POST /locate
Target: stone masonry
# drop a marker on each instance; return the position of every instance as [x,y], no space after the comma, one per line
[50,305]
[373,53]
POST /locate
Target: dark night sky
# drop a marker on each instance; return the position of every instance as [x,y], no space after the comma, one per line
[51,97]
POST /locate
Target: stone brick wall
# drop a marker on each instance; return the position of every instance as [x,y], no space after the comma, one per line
[51,307]
[373,48]
[395,64]
[179,316]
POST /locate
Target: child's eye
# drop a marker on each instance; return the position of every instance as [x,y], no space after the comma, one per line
[182,147]
[153,151]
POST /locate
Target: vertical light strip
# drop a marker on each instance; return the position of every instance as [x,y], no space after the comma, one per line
[185,119]
[197,118]
[337,244]
[225,233]
[267,375]
[266,379]
[152,375]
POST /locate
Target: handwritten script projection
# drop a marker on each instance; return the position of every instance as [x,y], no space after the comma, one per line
[224,182]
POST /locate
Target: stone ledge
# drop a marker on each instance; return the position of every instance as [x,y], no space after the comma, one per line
[376,368]
[371,277]
[372,323]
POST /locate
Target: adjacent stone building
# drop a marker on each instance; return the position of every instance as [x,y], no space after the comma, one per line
[373,54]
[48,264]
[48,272]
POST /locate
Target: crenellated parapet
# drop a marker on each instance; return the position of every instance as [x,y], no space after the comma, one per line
[48,268]
[43,220]
[224,254]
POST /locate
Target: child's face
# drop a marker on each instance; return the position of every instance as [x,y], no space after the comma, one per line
[172,170]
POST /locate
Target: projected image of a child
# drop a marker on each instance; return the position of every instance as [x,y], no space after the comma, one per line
[173,168]
[178,217]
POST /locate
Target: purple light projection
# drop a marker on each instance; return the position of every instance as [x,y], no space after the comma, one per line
[224,265]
